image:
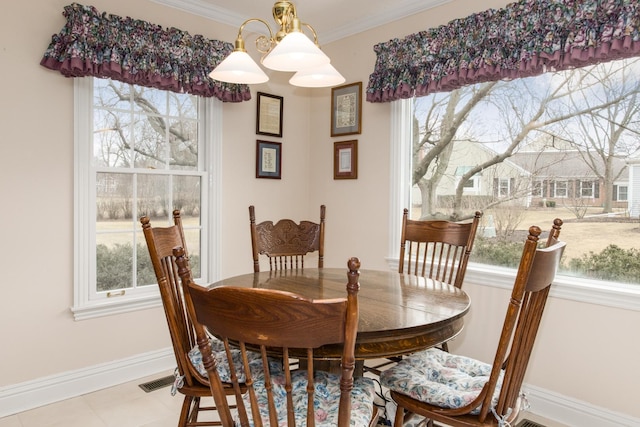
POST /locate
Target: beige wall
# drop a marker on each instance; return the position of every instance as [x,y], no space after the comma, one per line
[36,164]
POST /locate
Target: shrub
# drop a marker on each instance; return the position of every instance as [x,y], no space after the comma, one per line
[113,266]
[612,263]
[497,252]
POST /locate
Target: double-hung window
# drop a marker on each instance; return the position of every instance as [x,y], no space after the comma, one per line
[588,189]
[560,189]
[139,151]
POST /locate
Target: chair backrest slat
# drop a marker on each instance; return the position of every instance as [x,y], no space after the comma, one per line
[286,243]
[437,249]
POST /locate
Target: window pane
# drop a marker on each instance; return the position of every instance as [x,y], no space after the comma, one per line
[113,199]
[154,196]
[183,105]
[114,261]
[150,142]
[149,100]
[183,144]
[111,94]
[145,275]
[186,195]
[111,138]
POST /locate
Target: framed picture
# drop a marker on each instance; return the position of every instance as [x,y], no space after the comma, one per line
[346,109]
[268,159]
[269,115]
[345,160]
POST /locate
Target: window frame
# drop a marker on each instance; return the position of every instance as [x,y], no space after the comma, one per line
[589,186]
[609,294]
[504,184]
[85,305]
[620,190]
[565,189]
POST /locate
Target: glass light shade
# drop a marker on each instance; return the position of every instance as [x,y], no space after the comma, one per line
[323,76]
[239,68]
[295,52]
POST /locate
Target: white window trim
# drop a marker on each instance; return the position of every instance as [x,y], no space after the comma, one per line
[626,192]
[585,187]
[555,189]
[500,182]
[602,293]
[83,306]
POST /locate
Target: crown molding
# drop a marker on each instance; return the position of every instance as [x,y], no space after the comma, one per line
[364,23]
[206,10]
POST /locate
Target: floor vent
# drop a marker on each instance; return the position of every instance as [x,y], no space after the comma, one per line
[528,423]
[156,384]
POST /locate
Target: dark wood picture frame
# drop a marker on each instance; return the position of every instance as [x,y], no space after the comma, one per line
[346,109]
[268,159]
[269,114]
[345,160]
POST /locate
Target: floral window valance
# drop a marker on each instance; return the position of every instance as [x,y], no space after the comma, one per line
[525,38]
[134,51]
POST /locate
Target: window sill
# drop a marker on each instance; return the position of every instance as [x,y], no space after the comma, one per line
[107,308]
[610,294]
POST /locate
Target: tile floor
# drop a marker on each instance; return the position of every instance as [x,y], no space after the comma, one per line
[126,405]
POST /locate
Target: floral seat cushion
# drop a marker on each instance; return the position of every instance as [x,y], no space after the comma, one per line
[439,378]
[222,364]
[326,399]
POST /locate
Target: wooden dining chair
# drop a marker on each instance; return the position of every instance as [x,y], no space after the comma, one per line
[273,322]
[190,381]
[460,391]
[437,249]
[286,243]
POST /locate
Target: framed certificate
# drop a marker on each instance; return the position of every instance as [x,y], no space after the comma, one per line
[346,109]
[268,159]
[345,160]
[269,115]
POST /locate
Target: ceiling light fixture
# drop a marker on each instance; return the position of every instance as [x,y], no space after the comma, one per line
[289,50]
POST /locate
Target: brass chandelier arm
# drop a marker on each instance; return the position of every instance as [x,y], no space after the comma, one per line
[261,41]
[315,36]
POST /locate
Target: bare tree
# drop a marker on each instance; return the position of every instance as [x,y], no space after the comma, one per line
[525,107]
[147,143]
[432,151]
[605,134]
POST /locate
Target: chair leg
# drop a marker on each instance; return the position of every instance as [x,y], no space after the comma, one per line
[399,419]
[195,410]
[185,413]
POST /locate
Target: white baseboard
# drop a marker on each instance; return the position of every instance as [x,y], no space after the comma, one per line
[32,394]
[573,412]
[43,391]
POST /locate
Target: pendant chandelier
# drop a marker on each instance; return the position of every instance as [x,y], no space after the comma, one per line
[288,50]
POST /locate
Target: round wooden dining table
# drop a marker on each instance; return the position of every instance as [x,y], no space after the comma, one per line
[398,313]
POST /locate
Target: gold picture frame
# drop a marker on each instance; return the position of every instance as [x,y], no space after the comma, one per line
[346,109]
